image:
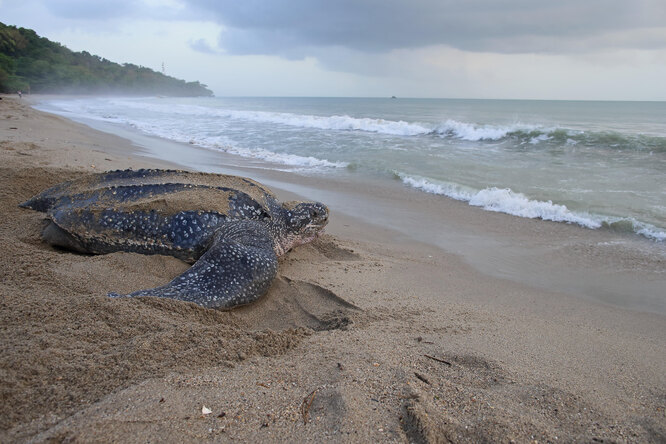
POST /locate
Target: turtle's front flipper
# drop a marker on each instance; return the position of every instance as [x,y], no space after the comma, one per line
[237,269]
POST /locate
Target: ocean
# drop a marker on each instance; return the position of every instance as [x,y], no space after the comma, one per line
[600,165]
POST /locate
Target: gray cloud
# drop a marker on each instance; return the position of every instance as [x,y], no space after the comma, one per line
[202,46]
[295,28]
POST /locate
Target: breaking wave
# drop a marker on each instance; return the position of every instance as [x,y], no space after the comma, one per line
[518,133]
[279,158]
[505,200]
[179,133]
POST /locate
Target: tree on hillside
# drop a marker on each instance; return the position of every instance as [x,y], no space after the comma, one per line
[32,63]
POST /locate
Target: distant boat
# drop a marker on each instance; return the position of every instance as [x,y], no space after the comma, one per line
[393,97]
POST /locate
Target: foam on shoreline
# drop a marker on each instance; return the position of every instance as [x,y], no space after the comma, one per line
[505,200]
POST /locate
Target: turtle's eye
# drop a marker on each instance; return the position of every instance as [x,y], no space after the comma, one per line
[318,212]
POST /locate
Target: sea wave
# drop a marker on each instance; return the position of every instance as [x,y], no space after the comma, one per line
[521,134]
[227,146]
[475,133]
[273,157]
[340,123]
[505,200]
[454,191]
[179,134]
[518,133]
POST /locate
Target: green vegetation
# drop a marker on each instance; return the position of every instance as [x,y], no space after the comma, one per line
[31,63]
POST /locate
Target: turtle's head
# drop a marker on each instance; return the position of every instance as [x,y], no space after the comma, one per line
[303,222]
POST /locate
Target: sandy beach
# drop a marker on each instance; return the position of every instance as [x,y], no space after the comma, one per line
[435,326]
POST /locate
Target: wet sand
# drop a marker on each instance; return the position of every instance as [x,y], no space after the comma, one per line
[414,319]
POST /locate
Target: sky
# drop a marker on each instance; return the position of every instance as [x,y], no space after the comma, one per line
[486,49]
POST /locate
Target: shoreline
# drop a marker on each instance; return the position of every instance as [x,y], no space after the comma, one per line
[589,204]
[524,360]
[544,254]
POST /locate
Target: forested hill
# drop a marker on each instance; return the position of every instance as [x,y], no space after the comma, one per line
[31,63]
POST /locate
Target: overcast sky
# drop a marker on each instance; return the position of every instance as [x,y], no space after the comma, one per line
[523,49]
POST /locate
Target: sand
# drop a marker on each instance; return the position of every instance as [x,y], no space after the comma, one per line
[367,335]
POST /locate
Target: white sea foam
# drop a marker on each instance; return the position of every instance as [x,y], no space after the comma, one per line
[228,146]
[279,158]
[449,128]
[447,189]
[471,132]
[504,200]
[633,225]
[341,123]
[540,138]
[650,232]
[334,122]
[172,129]
[525,133]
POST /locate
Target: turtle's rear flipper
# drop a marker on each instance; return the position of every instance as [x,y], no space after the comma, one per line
[237,269]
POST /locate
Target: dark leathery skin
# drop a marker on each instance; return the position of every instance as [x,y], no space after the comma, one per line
[232,228]
[237,269]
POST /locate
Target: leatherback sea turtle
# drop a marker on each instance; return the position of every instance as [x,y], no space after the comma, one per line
[231,228]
